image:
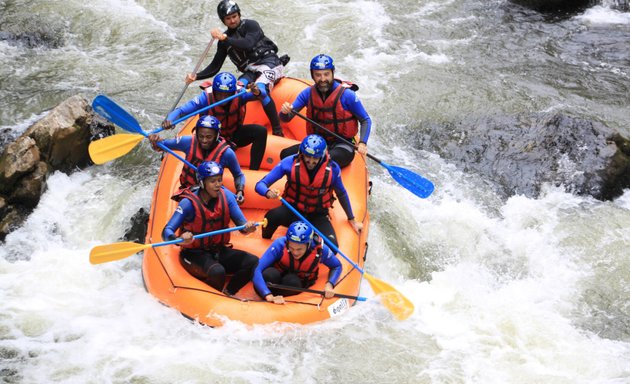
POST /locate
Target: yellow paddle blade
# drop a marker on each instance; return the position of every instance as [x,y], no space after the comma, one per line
[112,147]
[116,251]
[393,300]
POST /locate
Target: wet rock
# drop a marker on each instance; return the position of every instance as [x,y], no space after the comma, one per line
[63,135]
[31,187]
[32,30]
[12,218]
[59,141]
[138,230]
[556,5]
[521,153]
[3,206]
[18,159]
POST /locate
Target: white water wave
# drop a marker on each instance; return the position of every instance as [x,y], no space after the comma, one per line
[603,15]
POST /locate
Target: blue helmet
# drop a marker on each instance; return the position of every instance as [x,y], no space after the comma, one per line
[300,232]
[322,61]
[209,122]
[227,7]
[313,145]
[208,169]
[224,82]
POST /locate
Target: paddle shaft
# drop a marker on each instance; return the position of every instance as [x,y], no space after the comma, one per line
[326,239]
[394,301]
[413,182]
[184,118]
[201,59]
[179,120]
[112,252]
[130,124]
[201,235]
[298,289]
[334,134]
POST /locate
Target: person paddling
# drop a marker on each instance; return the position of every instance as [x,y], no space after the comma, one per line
[231,115]
[311,179]
[333,104]
[204,208]
[253,53]
[293,260]
[204,145]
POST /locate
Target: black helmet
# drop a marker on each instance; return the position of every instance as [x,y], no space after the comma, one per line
[227,7]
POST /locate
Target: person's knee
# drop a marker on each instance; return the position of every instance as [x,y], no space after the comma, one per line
[215,276]
[292,150]
[260,133]
[342,157]
[272,275]
[250,263]
[268,231]
[292,280]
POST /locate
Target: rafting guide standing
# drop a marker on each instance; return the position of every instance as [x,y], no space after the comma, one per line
[253,53]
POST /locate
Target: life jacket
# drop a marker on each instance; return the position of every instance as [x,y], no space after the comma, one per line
[309,196]
[330,114]
[306,268]
[206,220]
[242,58]
[188,177]
[231,118]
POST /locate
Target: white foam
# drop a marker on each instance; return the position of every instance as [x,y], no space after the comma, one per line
[604,15]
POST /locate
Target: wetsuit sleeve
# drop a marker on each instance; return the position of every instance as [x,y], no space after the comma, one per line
[269,258]
[252,33]
[216,64]
[229,160]
[235,211]
[185,212]
[300,102]
[274,175]
[190,106]
[180,143]
[350,102]
[340,191]
[247,97]
[330,260]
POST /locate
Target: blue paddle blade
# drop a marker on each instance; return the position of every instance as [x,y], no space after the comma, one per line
[107,108]
[413,182]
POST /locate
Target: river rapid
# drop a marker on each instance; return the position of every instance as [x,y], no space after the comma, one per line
[523,290]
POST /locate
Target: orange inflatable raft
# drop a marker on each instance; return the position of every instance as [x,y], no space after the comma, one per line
[171,284]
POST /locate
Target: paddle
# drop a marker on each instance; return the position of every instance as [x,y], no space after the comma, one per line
[116,251]
[113,147]
[411,181]
[298,289]
[393,300]
[201,59]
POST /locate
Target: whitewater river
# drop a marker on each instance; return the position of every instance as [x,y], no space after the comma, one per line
[521,290]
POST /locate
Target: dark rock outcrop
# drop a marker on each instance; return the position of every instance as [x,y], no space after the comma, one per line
[521,153]
[57,142]
[556,5]
[138,230]
[571,6]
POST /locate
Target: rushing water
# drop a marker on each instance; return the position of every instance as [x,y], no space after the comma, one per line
[517,291]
